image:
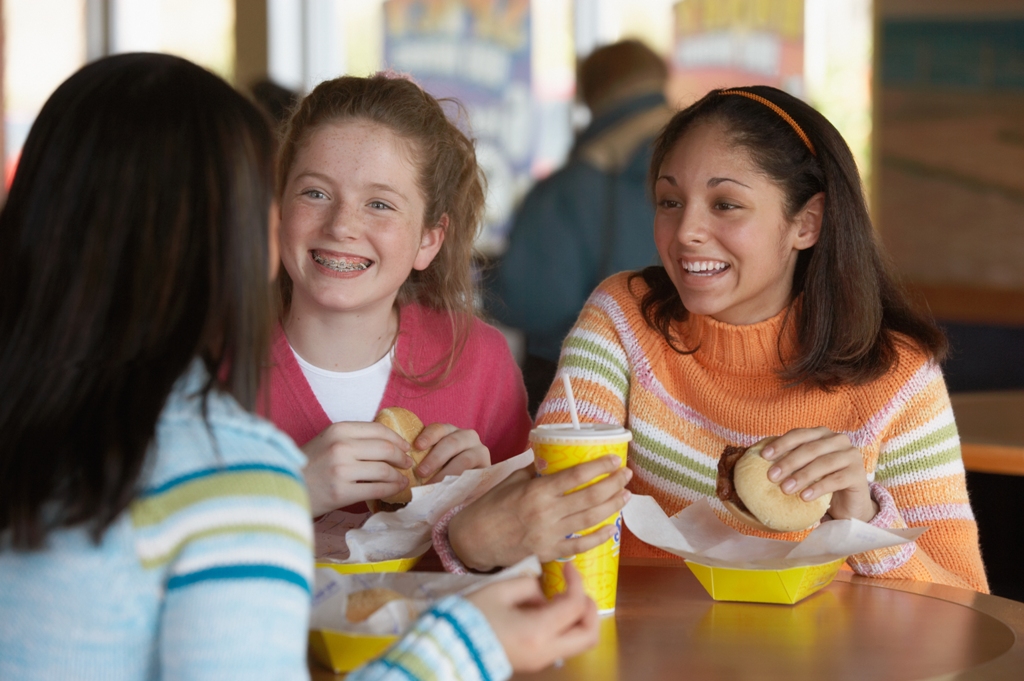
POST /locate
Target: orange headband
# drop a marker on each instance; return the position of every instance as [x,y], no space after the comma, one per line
[777,109]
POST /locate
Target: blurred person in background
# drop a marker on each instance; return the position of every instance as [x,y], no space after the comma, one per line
[275,100]
[592,217]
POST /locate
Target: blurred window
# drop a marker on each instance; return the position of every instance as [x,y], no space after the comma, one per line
[307,39]
[45,41]
[202,31]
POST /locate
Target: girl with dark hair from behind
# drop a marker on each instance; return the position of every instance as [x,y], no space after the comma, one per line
[775,313]
[150,525]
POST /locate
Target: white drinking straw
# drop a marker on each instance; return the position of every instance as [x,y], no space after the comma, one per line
[572,402]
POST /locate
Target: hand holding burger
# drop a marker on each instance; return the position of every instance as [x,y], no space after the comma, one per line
[437,451]
[350,462]
[408,426]
[812,465]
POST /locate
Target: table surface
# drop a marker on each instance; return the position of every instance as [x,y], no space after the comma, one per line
[666,626]
[994,418]
[991,427]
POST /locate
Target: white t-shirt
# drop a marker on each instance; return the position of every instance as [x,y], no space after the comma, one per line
[348,395]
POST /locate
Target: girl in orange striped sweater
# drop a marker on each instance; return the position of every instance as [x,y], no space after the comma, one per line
[774,313]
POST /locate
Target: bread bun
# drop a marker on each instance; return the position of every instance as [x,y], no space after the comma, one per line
[409,426]
[362,604]
[771,509]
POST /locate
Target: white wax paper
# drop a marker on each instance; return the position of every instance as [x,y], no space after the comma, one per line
[364,538]
[696,534]
[330,596]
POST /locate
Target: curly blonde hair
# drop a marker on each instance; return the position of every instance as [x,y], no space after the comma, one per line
[448,176]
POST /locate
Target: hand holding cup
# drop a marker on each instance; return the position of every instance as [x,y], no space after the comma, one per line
[528,515]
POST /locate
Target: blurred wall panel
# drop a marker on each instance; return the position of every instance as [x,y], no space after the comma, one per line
[307,41]
[951,142]
[250,41]
[743,42]
[838,53]
[478,52]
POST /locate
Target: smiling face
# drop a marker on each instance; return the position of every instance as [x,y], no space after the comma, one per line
[352,219]
[721,229]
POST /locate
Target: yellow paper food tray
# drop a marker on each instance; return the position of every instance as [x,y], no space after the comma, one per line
[396,565]
[344,652]
[764,586]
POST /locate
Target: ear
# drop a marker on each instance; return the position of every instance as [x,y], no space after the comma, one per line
[430,244]
[808,222]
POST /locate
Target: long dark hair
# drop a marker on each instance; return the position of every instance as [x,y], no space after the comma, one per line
[854,311]
[134,240]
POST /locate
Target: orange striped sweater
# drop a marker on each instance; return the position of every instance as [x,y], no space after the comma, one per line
[684,409]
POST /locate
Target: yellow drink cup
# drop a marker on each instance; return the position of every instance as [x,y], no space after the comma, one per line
[557,447]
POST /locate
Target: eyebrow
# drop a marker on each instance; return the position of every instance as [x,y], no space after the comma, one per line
[313,174]
[380,186]
[715,181]
[712,182]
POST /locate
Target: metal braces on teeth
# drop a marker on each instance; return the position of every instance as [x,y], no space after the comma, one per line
[340,266]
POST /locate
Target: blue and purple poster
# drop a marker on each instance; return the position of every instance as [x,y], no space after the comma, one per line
[478,52]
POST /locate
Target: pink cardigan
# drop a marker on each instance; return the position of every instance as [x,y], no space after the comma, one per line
[484,391]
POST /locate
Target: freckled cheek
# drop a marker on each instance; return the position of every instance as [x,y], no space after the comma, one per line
[291,241]
[304,221]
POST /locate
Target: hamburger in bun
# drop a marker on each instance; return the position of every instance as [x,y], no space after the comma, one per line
[362,604]
[409,426]
[745,490]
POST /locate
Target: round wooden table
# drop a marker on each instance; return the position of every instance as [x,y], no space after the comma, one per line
[667,627]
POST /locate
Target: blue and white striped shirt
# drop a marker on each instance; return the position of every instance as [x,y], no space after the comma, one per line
[206,575]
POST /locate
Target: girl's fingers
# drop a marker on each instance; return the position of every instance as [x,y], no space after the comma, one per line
[573,578]
[835,482]
[566,609]
[447,448]
[783,444]
[573,616]
[377,471]
[575,545]
[378,451]
[805,453]
[579,522]
[357,430]
[477,457]
[571,478]
[380,490]
[581,636]
[433,434]
[817,469]
[600,493]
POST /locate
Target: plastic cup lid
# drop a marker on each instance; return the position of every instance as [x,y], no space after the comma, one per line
[586,431]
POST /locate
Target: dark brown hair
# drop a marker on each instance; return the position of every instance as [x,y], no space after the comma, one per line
[854,312]
[133,241]
[449,178]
